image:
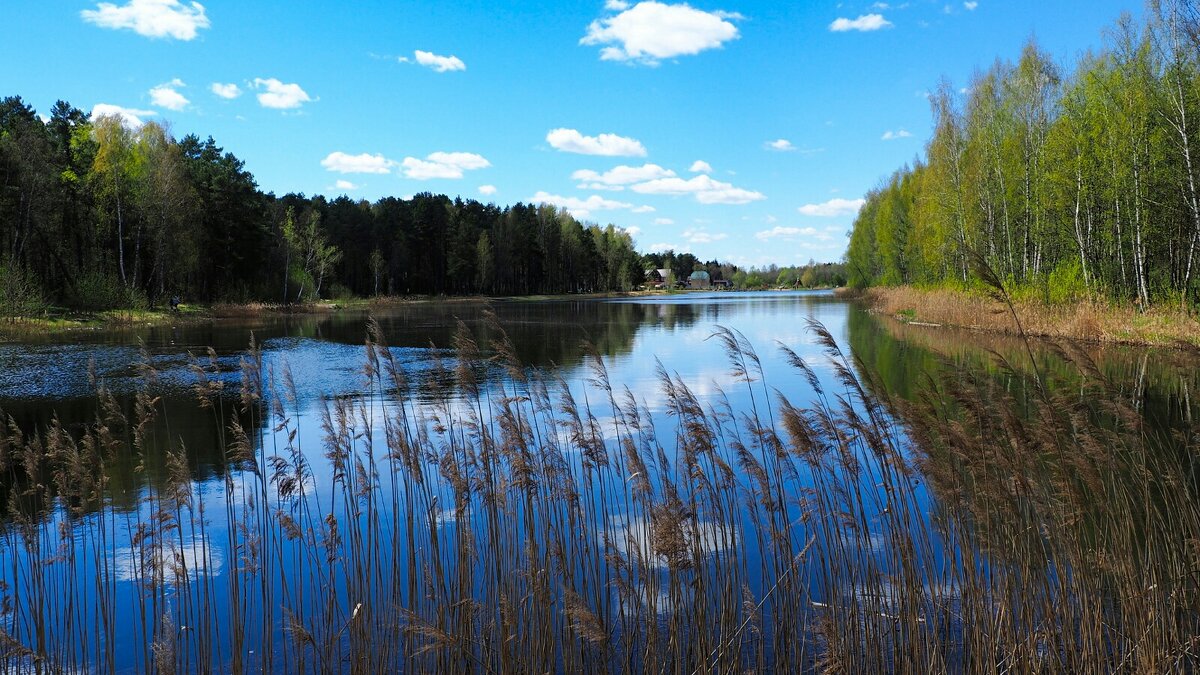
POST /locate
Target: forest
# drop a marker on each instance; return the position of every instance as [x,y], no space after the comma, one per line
[97,215]
[1067,182]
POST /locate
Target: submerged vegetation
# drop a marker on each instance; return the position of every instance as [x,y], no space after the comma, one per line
[1076,184]
[457,522]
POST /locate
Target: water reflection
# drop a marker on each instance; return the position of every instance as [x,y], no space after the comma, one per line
[53,378]
[571,503]
[1159,383]
[48,379]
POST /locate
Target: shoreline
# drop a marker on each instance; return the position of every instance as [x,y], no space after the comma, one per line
[65,321]
[61,320]
[1092,321]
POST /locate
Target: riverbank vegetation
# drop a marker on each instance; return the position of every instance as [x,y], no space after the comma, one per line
[532,529]
[1091,320]
[1078,183]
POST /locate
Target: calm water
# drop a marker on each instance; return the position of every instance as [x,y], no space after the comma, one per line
[57,375]
[43,377]
[55,378]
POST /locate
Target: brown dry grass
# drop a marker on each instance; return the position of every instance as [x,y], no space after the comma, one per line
[229,310]
[247,310]
[1089,320]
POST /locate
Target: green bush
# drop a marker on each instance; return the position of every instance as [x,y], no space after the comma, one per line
[95,290]
[19,293]
[301,287]
[1066,284]
[340,293]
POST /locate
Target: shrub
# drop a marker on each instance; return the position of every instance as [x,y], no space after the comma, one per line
[97,290]
[1066,284]
[19,294]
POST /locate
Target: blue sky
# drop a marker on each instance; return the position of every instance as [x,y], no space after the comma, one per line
[744,130]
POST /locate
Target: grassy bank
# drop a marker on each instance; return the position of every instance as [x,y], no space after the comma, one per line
[1087,320]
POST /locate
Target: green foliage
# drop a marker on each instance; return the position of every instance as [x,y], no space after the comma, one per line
[1068,184]
[811,275]
[301,283]
[103,215]
[99,290]
[340,293]
[1066,283]
[19,293]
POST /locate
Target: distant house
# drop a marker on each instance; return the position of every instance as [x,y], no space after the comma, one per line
[699,279]
[722,284]
[658,278]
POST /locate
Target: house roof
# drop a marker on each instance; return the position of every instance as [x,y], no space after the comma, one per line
[699,275]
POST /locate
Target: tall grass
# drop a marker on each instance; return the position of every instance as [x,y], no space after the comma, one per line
[534,527]
[1087,319]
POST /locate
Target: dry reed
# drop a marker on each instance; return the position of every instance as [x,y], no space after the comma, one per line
[1088,320]
[510,529]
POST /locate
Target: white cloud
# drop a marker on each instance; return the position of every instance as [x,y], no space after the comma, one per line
[441,64]
[644,209]
[580,208]
[465,160]
[616,5]
[702,237]
[833,208]
[663,221]
[419,169]
[167,95]
[345,185]
[705,189]
[280,95]
[970,6]
[130,117]
[893,135]
[700,166]
[864,23]
[652,31]
[443,165]
[662,247]
[786,232]
[605,145]
[226,91]
[488,190]
[600,186]
[633,231]
[620,176]
[151,18]
[364,163]
[193,559]
[782,145]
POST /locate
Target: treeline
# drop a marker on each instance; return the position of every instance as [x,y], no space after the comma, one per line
[1081,182]
[95,214]
[812,275]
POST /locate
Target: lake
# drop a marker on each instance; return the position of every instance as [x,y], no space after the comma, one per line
[619,484]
